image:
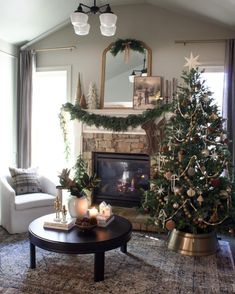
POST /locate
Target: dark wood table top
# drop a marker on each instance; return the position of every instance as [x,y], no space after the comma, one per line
[116,234]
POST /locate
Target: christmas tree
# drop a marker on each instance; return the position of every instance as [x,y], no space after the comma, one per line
[191,186]
[92,97]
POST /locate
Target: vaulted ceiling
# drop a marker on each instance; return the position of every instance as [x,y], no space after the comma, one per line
[24,20]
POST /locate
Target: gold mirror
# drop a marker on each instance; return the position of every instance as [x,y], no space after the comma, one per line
[117,79]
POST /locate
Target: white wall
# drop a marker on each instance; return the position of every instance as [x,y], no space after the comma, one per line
[8,76]
[158,28]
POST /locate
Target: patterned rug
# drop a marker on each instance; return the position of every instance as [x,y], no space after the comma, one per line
[147,268]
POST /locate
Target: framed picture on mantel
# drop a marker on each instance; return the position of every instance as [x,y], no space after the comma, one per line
[147,91]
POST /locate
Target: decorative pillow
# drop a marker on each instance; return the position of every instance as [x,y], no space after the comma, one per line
[25,181]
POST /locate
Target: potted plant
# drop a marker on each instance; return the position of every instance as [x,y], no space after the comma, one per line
[79,184]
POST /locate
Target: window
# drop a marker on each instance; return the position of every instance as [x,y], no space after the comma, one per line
[214,77]
[50,92]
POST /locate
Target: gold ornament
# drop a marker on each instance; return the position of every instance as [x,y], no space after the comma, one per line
[180,156]
[168,175]
[205,152]
[200,199]
[191,192]
[175,205]
[213,116]
[170,225]
[177,191]
[191,171]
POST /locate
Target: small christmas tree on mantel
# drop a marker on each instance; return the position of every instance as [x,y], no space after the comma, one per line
[191,189]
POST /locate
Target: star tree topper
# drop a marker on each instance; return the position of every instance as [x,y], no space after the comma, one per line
[192,62]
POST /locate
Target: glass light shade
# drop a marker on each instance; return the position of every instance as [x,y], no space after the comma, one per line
[108,19]
[108,31]
[131,78]
[78,18]
[82,30]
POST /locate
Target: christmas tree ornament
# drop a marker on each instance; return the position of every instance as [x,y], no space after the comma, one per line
[175,205]
[192,61]
[214,155]
[168,175]
[200,199]
[206,98]
[229,190]
[180,155]
[215,182]
[177,191]
[170,225]
[160,190]
[191,171]
[213,116]
[157,223]
[173,180]
[205,152]
[191,192]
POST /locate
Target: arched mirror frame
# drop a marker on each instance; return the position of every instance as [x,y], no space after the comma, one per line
[149,71]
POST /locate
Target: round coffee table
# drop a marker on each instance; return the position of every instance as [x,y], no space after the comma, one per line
[97,241]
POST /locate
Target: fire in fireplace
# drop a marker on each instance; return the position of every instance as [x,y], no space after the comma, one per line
[123,176]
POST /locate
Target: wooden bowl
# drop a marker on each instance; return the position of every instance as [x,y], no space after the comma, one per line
[86,224]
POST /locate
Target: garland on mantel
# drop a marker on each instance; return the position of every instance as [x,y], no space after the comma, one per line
[114,123]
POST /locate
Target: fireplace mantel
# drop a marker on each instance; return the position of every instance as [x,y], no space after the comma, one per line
[82,129]
[119,112]
[115,111]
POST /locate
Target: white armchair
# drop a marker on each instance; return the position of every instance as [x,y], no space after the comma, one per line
[17,211]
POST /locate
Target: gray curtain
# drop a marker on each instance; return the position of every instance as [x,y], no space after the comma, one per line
[26,69]
[229,95]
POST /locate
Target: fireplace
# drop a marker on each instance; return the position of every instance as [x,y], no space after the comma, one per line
[123,176]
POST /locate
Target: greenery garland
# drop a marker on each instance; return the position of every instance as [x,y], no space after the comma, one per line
[114,123]
[121,45]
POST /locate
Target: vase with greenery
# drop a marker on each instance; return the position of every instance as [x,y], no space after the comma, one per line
[79,183]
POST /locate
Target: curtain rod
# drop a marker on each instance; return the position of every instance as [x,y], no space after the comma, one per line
[200,41]
[56,49]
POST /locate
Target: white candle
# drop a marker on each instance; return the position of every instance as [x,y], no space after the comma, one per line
[93,212]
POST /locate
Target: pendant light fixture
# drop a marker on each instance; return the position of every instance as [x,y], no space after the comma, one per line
[108,19]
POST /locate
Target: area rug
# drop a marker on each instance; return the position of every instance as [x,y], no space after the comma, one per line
[149,267]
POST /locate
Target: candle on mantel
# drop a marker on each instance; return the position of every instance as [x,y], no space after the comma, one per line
[93,212]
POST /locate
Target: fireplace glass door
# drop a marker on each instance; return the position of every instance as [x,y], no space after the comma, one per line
[123,177]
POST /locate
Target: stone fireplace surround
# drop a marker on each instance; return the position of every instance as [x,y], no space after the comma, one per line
[102,140]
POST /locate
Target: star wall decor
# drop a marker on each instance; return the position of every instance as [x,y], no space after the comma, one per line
[192,62]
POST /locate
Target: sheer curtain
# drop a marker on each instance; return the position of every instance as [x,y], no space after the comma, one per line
[27,67]
[229,95]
